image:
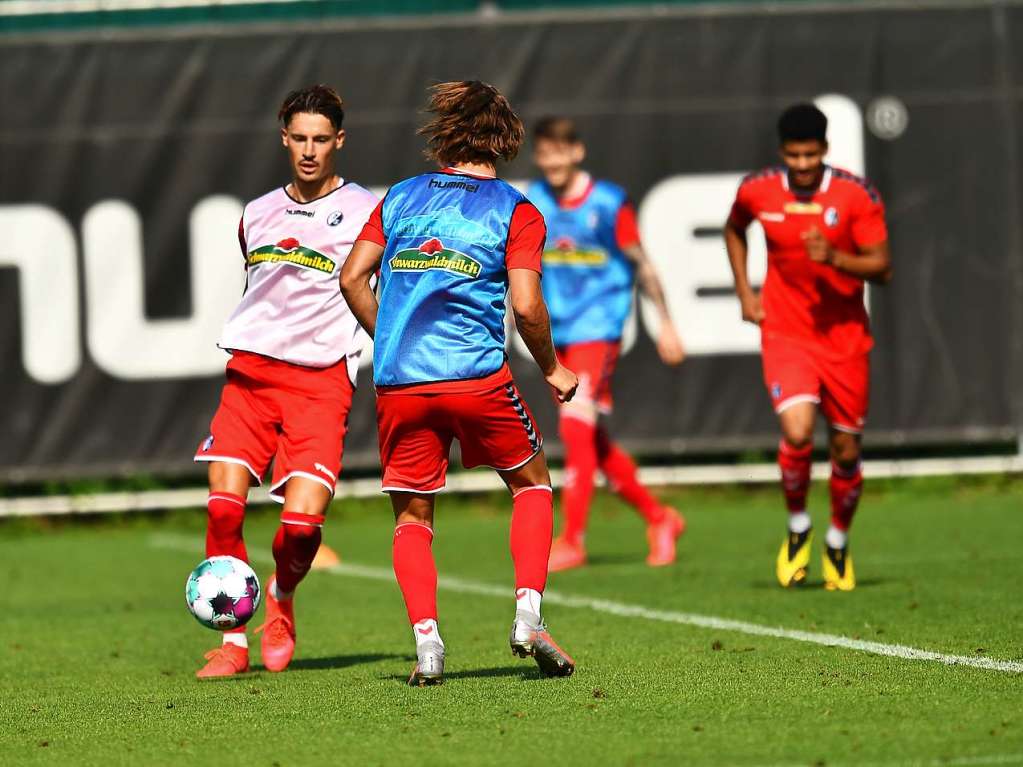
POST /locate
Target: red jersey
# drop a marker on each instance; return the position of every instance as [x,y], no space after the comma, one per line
[810,303]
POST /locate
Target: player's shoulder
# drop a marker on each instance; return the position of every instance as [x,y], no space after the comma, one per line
[540,194]
[857,185]
[509,189]
[609,191]
[358,195]
[763,178]
[276,196]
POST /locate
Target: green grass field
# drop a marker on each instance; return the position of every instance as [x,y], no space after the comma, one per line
[97,651]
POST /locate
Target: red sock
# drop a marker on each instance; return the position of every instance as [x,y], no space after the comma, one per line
[415,570]
[579,438]
[794,463]
[846,486]
[532,525]
[294,547]
[620,471]
[225,514]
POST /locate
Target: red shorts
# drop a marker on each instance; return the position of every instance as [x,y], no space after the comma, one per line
[296,416]
[594,362]
[416,425]
[841,387]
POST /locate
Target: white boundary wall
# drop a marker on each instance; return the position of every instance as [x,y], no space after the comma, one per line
[486,481]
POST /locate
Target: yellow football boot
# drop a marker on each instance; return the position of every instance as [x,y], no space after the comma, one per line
[838,569]
[794,558]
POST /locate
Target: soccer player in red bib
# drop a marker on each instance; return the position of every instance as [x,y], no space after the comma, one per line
[826,236]
[450,245]
[295,350]
[592,264]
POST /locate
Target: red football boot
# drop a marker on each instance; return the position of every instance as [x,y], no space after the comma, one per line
[228,660]
[662,537]
[565,555]
[278,630]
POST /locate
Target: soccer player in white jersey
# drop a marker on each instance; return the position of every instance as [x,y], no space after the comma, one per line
[295,350]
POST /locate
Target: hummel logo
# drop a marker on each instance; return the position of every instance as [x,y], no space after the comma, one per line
[426,632]
[520,593]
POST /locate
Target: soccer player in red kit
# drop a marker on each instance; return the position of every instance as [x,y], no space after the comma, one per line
[826,235]
[295,350]
[592,264]
[450,245]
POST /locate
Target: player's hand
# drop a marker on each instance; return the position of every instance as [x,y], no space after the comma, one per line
[563,381]
[817,246]
[752,308]
[669,345]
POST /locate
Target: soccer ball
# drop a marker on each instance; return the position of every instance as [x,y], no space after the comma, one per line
[222,593]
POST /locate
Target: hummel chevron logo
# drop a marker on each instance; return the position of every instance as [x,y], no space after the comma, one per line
[426,632]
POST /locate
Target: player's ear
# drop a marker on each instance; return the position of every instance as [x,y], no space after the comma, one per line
[824,149]
[578,153]
[284,136]
[339,139]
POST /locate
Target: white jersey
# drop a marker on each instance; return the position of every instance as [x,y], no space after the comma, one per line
[292,308]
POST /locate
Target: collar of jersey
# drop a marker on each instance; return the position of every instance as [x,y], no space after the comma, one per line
[315,199]
[571,203]
[456,172]
[821,187]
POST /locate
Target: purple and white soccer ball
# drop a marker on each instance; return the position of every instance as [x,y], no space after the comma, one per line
[222,593]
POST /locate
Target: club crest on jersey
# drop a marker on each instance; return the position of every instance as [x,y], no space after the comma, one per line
[566,253]
[335,218]
[831,217]
[433,254]
[290,251]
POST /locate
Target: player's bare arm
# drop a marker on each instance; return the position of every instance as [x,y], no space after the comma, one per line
[669,345]
[356,283]
[872,263]
[534,327]
[738,252]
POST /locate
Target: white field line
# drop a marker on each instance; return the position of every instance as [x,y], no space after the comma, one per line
[486,481]
[624,610]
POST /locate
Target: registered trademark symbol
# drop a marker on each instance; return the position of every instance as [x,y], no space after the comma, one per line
[887,117]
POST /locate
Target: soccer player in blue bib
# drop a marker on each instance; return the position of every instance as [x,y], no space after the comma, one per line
[449,246]
[592,263]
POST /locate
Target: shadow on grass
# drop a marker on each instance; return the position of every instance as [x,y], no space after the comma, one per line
[615,559]
[814,585]
[525,673]
[333,661]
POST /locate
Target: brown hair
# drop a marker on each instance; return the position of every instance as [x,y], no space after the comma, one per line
[314,99]
[472,123]
[552,128]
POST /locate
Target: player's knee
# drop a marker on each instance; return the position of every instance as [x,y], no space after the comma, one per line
[227,477]
[534,473]
[845,451]
[798,437]
[412,508]
[311,506]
